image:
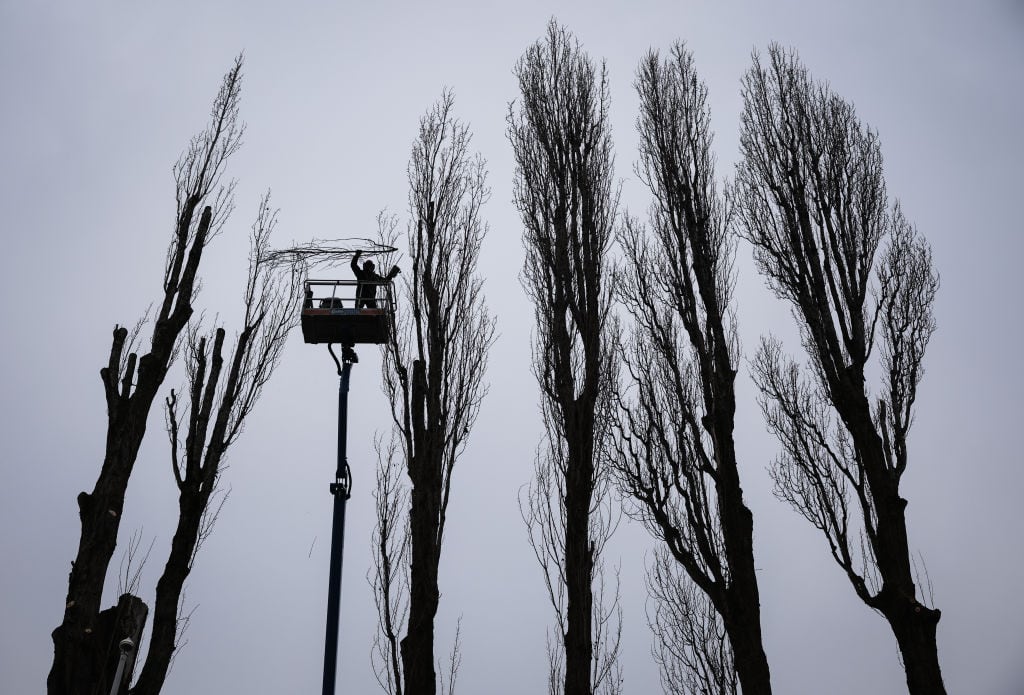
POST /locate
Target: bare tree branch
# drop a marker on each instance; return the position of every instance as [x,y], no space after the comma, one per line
[390,580]
[130,571]
[447,682]
[690,642]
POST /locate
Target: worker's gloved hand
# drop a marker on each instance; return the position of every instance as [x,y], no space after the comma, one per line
[396,270]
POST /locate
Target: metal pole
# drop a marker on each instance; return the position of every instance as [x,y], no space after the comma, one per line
[126,646]
[340,489]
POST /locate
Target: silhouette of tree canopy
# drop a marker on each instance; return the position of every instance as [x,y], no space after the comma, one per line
[434,372]
[563,188]
[811,197]
[676,459]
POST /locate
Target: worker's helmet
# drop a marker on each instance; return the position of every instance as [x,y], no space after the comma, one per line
[369,266]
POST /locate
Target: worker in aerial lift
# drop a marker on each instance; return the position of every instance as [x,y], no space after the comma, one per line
[366,291]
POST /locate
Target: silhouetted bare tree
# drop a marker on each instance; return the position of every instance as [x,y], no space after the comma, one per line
[812,200]
[565,194]
[85,644]
[691,645]
[434,378]
[677,460]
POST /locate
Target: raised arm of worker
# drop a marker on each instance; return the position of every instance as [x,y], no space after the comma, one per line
[356,270]
[395,270]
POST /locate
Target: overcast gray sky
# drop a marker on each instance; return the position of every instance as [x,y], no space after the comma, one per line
[98,99]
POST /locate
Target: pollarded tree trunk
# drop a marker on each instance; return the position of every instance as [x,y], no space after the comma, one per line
[131,384]
[75,643]
[424,517]
[85,640]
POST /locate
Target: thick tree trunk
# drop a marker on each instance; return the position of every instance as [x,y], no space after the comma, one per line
[579,565]
[168,596]
[742,615]
[741,612]
[748,655]
[914,626]
[100,511]
[743,621]
[95,657]
[579,551]
[418,643]
[424,517]
[75,640]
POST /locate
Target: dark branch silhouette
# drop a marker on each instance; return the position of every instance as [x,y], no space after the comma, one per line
[327,252]
[811,198]
[690,642]
[390,577]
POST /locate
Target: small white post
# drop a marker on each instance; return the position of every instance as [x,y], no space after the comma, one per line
[127,646]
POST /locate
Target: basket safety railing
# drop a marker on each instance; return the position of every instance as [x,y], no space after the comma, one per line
[342,294]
